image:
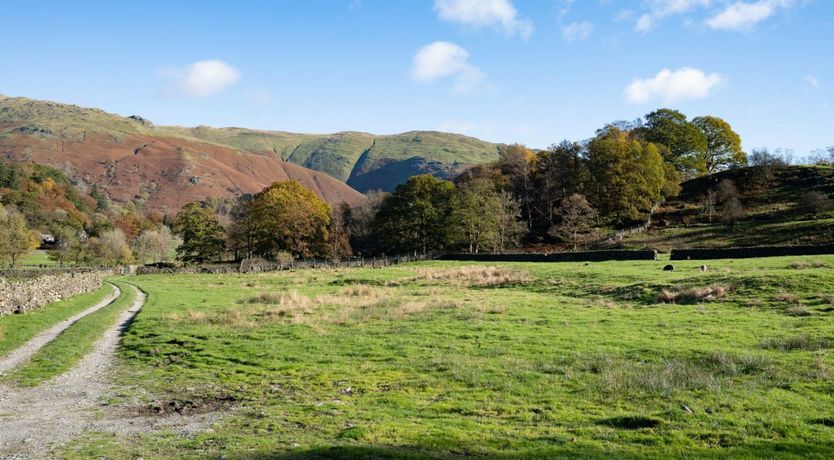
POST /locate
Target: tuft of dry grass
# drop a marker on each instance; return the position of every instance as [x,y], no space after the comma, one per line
[691,295]
[799,342]
[475,275]
[798,310]
[359,290]
[821,369]
[787,297]
[801,265]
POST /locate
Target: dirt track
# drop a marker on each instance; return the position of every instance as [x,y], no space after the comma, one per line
[31,347]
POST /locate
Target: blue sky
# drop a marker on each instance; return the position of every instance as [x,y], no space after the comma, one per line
[523,71]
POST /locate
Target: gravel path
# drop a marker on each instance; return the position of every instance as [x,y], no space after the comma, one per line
[34,421]
[31,347]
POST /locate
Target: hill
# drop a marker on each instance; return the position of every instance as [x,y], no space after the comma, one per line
[781,206]
[132,160]
[364,161]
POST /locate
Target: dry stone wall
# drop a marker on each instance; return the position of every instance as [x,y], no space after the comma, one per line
[750,252]
[582,256]
[25,294]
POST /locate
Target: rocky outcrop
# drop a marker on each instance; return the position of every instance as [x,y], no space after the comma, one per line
[22,295]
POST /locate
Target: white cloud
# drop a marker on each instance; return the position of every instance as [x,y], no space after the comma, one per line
[659,9]
[499,14]
[440,60]
[644,23]
[577,31]
[203,78]
[670,86]
[742,16]
[812,80]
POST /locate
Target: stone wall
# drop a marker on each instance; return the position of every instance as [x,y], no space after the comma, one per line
[750,252]
[582,256]
[19,295]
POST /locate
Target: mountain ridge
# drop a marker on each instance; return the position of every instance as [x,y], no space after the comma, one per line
[362,160]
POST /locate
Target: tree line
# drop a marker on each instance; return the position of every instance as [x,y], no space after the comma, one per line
[559,195]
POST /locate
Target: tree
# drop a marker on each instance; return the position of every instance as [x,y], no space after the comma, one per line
[415,217]
[562,171]
[338,240]
[202,234]
[680,141]
[243,229]
[731,208]
[16,240]
[723,145]
[626,176]
[510,229]
[577,219]
[708,203]
[361,219]
[765,165]
[111,248]
[70,246]
[732,211]
[290,218]
[519,164]
[156,246]
[475,214]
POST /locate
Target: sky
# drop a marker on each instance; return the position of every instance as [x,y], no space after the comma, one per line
[527,71]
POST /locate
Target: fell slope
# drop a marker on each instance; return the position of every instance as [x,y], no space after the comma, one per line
[365,161]
[774,211]
[134,161]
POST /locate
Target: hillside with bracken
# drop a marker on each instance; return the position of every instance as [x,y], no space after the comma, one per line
[132,161]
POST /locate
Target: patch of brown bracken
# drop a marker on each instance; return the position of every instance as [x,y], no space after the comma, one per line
[691,295]
[474,275]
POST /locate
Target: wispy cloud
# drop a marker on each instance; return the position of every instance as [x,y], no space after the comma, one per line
[499,14]
[812,81]
[202,78]
[441,60]
[659,9]
[743,16]
[672,85]
[577,31]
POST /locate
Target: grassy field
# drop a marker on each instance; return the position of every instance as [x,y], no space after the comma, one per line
[445,360]
[36,259]
[66,350]
[15,330]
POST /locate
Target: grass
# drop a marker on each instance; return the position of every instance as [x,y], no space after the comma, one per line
[66,350]
[429,360]
[37,258]
[15,330]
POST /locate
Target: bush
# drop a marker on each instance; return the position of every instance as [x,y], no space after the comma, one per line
[815,203]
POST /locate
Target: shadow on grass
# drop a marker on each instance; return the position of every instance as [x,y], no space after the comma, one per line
[767,449]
